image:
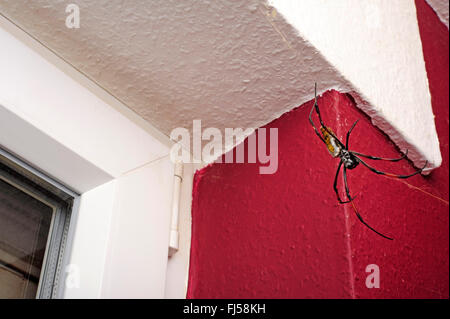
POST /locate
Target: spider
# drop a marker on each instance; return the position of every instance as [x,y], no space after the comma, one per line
[350,159]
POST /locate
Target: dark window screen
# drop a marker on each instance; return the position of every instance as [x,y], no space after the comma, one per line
[24,229]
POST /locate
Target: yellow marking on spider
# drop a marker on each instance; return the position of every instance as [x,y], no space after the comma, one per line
[330,140]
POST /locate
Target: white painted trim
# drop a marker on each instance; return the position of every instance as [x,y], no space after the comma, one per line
[42,90]
[137,252]
[48,155]
[87,255]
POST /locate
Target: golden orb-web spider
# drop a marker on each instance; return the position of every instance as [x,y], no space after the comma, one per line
[350,159]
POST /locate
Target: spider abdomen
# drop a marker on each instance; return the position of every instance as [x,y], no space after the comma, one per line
[333,145]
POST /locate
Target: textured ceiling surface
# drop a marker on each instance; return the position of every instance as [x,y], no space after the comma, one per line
[228,63]
[170,61]
[441,9]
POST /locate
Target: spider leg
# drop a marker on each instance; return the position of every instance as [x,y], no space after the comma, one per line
[335,186]
[368,226]
[316,107]
[347,191]
[356,211]
[390,174]
[314,127]
[382,158]
[348,133]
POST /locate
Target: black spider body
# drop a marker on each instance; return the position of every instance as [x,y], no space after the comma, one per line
[349,159]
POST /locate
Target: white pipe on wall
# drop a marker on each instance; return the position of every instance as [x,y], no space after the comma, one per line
[174,235]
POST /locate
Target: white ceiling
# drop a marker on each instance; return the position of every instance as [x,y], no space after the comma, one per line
[174,61]
[227,63]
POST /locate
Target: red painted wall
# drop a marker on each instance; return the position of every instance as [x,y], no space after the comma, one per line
[285,236]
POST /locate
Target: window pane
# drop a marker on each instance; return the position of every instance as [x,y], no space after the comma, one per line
[24,229]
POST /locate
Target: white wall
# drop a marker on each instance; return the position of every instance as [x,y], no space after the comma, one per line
[139,237]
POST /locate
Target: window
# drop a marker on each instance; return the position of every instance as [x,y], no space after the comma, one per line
[35,214]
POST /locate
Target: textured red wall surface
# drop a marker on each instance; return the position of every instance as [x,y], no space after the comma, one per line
[285,236]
